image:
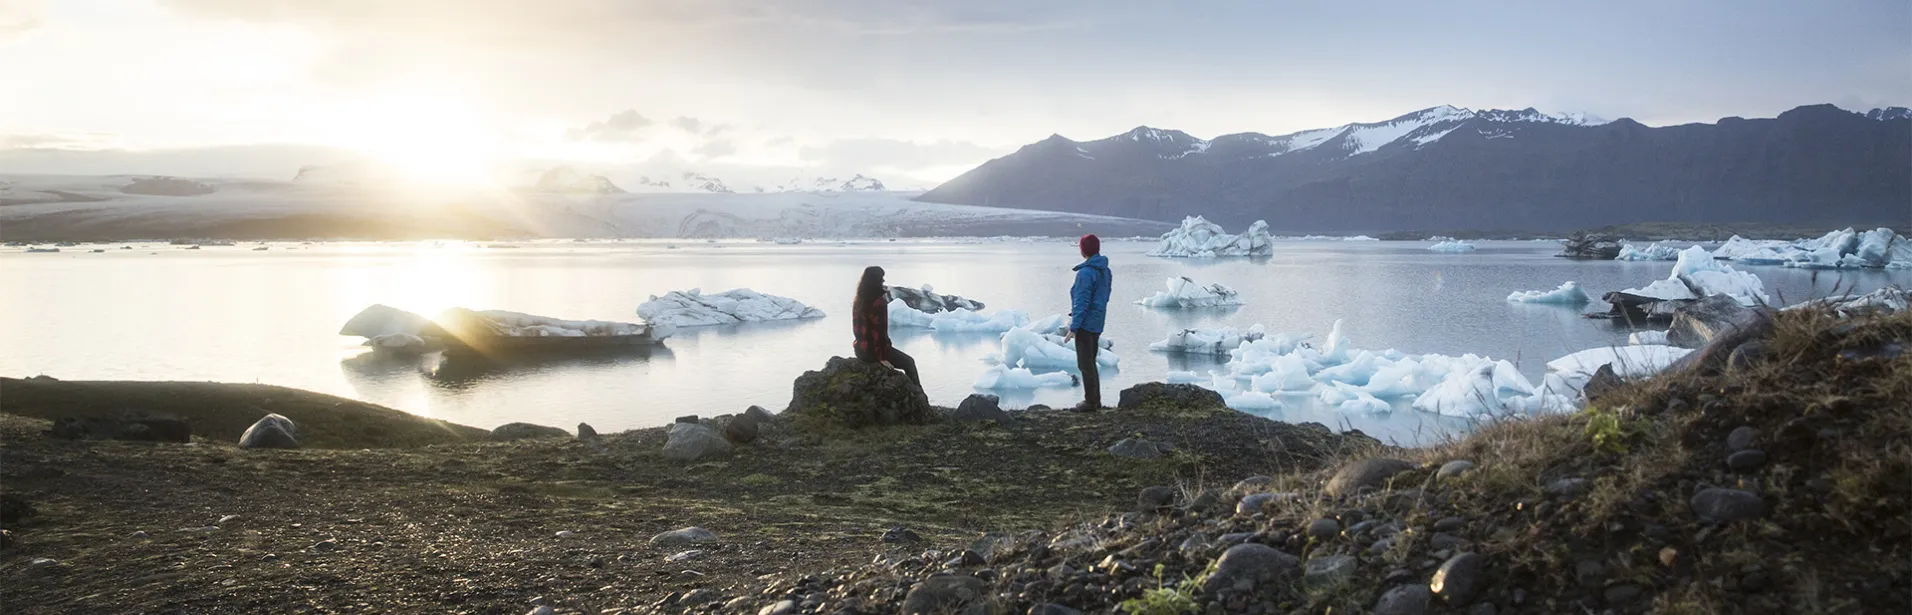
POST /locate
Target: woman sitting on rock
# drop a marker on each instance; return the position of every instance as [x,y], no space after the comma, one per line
[871,314]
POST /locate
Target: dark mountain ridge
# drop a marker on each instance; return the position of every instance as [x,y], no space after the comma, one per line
[1451,168]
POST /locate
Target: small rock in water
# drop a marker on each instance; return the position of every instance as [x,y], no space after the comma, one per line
[271,431]
[1727,505]
[1459,579]
[1454,469]
[586,433]
[1155,498]
[683,536]
[1741,438]
[1404,600]
[1135,448]
[1746,460]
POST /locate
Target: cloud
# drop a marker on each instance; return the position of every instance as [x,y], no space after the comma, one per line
[17,16]
[870,152]
[75,142]
[689,124]
[622,127]
[779,141]
[715,148]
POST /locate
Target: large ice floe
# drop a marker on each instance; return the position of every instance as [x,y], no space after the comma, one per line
[1452,247]
[1275,370]
[1199,238]
[1569,293]
[1186,293]
[947,313]
[1841,249]
[1037,346]
[1697,274]
[388,329]
[1207,341]
[693,308]
[1658,251]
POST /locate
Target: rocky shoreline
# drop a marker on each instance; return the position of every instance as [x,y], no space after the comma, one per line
[1773,485]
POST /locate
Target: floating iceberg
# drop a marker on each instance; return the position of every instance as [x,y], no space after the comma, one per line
[1251,400]
[1697,274]
[1569,293]
[1841,249]
[1647,338]
[1627,361]
[1738,248]
[1022,347]
[1005,377]
[955,321]
[491,332]
[1452,246]
[1659,251]
[692,308]
[1884,300]
[927,301]
[1206,341]
[1186,293]
[379,320]
[1199,238]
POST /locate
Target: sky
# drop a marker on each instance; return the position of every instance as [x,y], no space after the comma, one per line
[912,91]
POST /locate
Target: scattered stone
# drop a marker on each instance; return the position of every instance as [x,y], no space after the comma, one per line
[271,431]
[1669,556]
[1251,484]
[761,416]
[852,393]
[1135,448]
[325,546]
[1205,502]
[586,433]
[1567,487]
[1252,562]
[1745,355]
[1454,469]
[1604,381]
[741,429]
[1329,571]
[694,441]
[943,593]
[1194,545]
[565,534]
[683,536]
[1450,524]
[682,556]
[1255,503]
[543,610]
[1324,529]
[1459,579]
[510,432]
[1443,540]
[1621,594]
[1404,600]
[901,536]
[45,566]
[1171,395]
[1365,473]
[1727,505]
[979,408]
[1746,460]
[1155,498]
[1741,438]
[781,607]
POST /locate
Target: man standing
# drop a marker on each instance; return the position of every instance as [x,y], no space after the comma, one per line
[1088,309]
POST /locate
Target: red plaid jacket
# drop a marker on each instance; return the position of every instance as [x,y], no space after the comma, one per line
[872,326]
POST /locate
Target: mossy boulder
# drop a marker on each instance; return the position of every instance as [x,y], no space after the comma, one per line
[852,393]
[1185,396]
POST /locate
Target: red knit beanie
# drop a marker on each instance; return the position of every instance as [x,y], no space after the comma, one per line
[1091,245]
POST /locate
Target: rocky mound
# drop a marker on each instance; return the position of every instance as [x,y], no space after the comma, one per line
[1775,484]
[852,393]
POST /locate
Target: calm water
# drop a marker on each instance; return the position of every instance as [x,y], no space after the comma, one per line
[235,315]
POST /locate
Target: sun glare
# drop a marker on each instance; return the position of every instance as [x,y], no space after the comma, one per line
[424,141]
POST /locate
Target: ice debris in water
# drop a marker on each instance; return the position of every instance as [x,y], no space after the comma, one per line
[1039,345]
[1207,341]
[1004,377]
[1569,293]
[692,308]
[1184,378]
[1647,338]
[955,321]
[1454,246]
[1697,274]
[1841,249]
[1199,238]
[1186,293]
[1658,251]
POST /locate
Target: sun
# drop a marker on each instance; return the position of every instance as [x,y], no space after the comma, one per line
[431,141]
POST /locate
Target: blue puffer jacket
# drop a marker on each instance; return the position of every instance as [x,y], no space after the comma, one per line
[1089,299]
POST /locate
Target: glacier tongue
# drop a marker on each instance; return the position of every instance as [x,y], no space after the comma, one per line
[693,308]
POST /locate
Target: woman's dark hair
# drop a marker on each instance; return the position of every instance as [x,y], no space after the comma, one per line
[871,286]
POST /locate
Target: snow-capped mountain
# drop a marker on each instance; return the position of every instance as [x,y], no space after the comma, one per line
[1450,168]
[858,183]
[698,182]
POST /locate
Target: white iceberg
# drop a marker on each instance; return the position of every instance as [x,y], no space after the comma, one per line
[1452,246]
[1186,293]
[1627,361]
[379,320]
[1569,293]
[1647,338]
[515,324]
[692,308]
[1737,248]
[1199,238]
[955,321]
[1005,377]
[1206,341]
[1476,391]
[1658,251]
[1251,400]
[1841,249]
[1697,274]
[1024,347]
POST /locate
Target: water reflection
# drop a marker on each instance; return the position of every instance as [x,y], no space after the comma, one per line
[460,372]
